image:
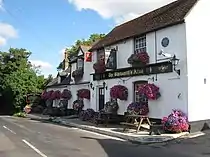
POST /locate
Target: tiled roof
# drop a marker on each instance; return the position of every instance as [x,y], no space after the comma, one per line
[168,15]
[66,81]
[54,82]
[73,59]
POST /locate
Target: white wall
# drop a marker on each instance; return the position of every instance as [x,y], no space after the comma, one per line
[73,68]
[87,68]
[74,89]
[170,85]
[198,33]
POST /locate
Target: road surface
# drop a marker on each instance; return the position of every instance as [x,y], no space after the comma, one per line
[27,138]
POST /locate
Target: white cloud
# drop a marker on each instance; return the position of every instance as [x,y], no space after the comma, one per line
[2,41]
[119,10]
[1,5]
[61,53]
[42,64]
[44,67]
[7,32]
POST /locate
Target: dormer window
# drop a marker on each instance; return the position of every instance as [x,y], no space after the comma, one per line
[80,63]
[140,44]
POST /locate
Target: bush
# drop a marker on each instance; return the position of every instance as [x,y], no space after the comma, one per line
[138,108]
[176,122]
[87,114]
[20,114]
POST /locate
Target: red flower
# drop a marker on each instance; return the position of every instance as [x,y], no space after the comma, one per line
[46,95]
[66,94]
[43,95]
[141,57]
[99,67]
[55,95]
[84,93]
[151,91]
[119,92]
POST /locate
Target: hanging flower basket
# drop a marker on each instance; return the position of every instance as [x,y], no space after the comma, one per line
[176,122]
[77,74]
[138,59]
[78,105]
[55,95]
[84,94]
[99,67]
[151,91]
[66,94]
[119,92]
[46,95]
[136,108]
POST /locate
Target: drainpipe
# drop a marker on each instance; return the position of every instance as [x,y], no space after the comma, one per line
[156,53]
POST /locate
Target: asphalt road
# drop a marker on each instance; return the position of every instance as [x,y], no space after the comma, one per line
[27,138]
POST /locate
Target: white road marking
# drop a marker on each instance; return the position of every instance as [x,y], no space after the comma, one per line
[9,129]
[34,148]
[105,136]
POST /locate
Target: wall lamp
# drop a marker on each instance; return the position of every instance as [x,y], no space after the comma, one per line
[91,86]
[152,79]
[105,86]
[174,62]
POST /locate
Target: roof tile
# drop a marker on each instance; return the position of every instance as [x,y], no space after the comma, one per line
[167,15]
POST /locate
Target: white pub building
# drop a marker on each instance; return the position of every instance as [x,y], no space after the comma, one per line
[175,38]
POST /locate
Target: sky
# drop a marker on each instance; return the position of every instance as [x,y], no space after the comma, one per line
[47,27]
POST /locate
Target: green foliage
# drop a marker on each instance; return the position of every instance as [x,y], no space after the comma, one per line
[18,77]
[72,51]
[48,80]
[20,114]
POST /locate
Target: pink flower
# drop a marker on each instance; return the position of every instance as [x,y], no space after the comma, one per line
[84,93]
[119,92]
[99,67]
[150,90]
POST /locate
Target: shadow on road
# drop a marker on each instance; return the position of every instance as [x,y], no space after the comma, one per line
[193,147]
[115,148]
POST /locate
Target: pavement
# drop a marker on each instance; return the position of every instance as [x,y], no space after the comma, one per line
[142,137]
[21,137]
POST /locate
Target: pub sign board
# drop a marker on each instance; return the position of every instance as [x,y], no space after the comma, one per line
[112,60]
[157,68]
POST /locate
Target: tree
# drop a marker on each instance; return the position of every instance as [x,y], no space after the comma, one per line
[72,51]
[18,77]
[48,80]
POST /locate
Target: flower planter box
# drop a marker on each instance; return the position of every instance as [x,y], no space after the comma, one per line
[78,74]
[99,67]
[138,59]
[137,64]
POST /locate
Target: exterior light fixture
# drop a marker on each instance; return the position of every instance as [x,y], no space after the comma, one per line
[175,62]
[152,79]
[104,85]
[91,86]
